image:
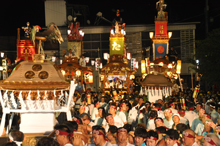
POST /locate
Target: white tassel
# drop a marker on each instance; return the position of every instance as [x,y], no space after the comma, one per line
[13,100]
[66,97]
[29,100]
[23,105]
[5,98]
[38,100]
[45,99]
[170,91]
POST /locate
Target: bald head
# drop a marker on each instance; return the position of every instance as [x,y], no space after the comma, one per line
[188,137]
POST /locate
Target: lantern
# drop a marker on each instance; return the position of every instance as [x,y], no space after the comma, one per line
[170,34]
[147,61]
[87,59]
[129,56]
[170,66]
[106,56]
[160,63]
[178,67]
[92,62]
[132,77]
[78,73]
[151,34]
[143,69]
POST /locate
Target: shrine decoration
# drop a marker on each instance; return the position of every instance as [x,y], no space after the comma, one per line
[161,37]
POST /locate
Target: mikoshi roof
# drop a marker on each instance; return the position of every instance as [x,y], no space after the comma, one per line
[30,75]
[116,66]
[158,80]
[74,66]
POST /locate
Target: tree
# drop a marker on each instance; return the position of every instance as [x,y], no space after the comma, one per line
[208,54]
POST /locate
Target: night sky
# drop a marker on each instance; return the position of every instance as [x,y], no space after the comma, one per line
[16,13]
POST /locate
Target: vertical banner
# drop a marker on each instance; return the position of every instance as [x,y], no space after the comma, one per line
[116,45]
[75,47]
[25,49]
[160,50]
[160,29]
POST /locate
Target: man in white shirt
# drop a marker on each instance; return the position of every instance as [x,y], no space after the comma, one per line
[95,112]
[182,117]
[214,113]
[197,120]
[168,121]
[117,120]
[82,61]
[191,115]
[121,113]
[172,107]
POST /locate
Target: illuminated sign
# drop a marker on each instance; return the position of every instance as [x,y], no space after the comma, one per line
[116,45]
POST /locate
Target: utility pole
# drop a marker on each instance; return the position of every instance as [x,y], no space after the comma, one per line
[206,17]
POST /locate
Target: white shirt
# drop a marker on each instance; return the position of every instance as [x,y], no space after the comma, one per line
[214,116]
[151,124]
[94,112]
[190,116]
[195,144]
[199,129]
[132,115]
[184,120]
[160,114]
[168,124]
[122,116]
[118,122]
[128,144]
[68,144]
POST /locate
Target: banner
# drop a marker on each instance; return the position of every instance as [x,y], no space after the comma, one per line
[160,50]
[160,29]
[116,45]
[25,49]
[76,48]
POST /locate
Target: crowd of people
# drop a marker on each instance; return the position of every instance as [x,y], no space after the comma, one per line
[133,120]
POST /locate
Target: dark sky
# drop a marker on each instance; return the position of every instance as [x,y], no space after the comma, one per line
[15,13]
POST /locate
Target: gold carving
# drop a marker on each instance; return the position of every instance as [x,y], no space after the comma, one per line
[29,74]
[43,75]
[36,67]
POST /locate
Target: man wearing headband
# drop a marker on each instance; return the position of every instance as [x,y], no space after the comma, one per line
[152,138]
[157,107]
[198,120]
[182,117]
[95,112]
[211,140]
[168,121]
[172,107]
[140,136]
[189,138]
[117,120]
[16,137]
[214,113]
[121,112]
[98,136]
[190,114]
[159,122]
[63,135]
[122,136]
